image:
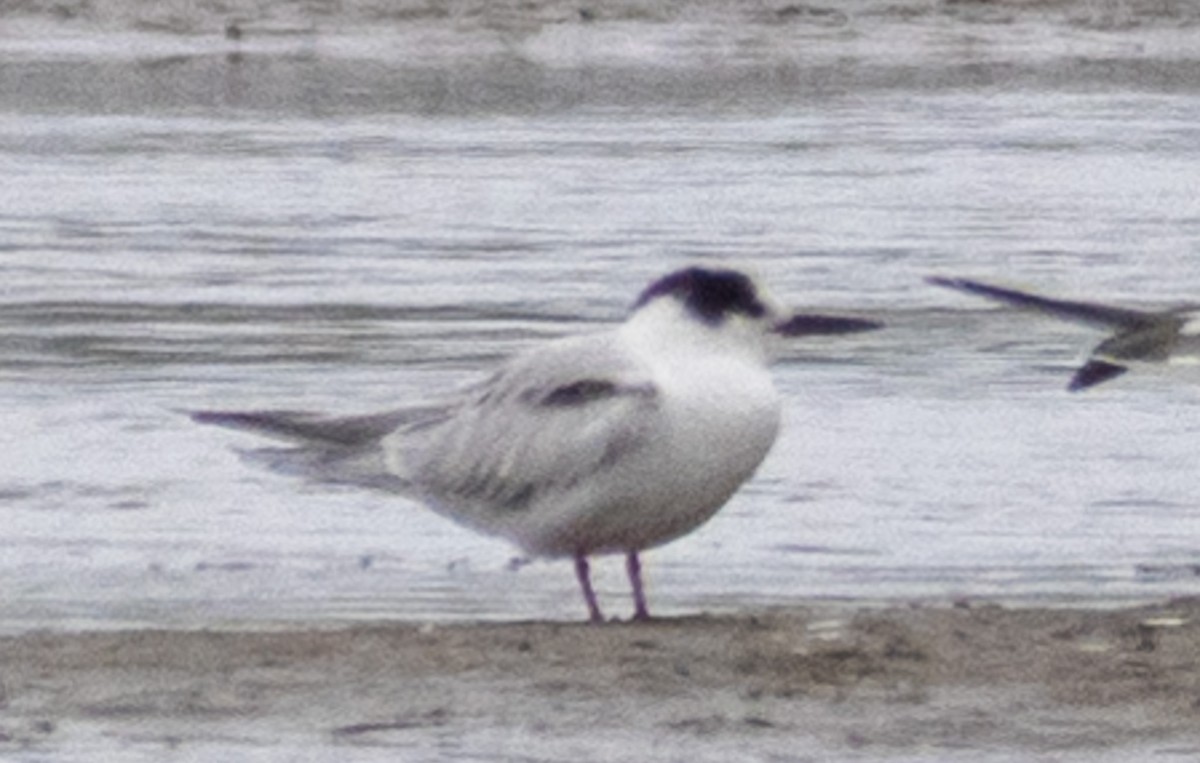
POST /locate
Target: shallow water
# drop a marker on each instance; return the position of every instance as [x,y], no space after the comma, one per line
[167,249]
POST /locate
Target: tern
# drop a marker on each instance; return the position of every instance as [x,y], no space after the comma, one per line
[1139,337]
[609,442]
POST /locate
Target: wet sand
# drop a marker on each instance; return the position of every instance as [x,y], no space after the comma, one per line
[901,679]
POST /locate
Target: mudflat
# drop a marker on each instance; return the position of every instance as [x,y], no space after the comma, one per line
[902,678]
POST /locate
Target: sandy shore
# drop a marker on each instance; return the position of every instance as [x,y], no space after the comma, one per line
[912,680]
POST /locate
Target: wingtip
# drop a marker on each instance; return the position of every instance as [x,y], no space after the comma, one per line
[211,417]
[256,420]
[961,284]
[1094,372]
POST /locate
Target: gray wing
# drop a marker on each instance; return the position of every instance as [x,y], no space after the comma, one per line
[1091,313]
[545,422]
[315,428]
[325,448]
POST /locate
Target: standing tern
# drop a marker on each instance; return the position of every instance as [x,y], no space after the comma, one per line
[611,442]
[1138,336]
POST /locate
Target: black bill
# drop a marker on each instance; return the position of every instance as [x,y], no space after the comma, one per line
[803,324]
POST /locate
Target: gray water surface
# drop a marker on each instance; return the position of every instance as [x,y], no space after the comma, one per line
[163,254]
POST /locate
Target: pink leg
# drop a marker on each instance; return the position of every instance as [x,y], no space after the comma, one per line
[583,572]
[634,567]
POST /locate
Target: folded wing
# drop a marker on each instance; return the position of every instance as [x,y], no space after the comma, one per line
[543,422]
[542,425]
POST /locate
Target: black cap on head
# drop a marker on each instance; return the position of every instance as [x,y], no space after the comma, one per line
[710,294]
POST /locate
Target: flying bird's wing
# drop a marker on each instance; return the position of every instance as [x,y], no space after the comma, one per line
[1138,336]
[1091,313]
[1094,372]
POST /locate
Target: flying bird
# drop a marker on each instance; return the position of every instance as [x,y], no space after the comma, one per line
[1138,336]
[608,442]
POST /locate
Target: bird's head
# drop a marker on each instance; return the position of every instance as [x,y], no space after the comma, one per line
[727,307]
